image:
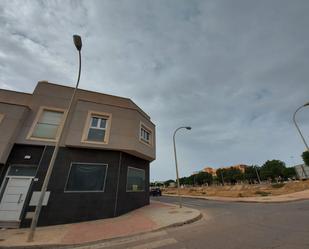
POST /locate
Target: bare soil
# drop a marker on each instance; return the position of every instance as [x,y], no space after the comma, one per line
[243,190]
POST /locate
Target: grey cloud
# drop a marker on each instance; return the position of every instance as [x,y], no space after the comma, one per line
[234,70]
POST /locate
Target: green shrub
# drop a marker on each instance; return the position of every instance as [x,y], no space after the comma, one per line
[278,185]
[272,169]
[305,157]
[262,193]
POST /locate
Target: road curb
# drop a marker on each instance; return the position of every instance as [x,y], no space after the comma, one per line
[91,243]
[239,200]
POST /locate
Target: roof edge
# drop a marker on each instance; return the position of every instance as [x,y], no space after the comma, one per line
[89,91]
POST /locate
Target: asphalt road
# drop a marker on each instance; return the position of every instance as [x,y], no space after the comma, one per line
[228,225]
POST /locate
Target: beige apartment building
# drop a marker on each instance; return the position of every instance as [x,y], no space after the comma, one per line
[102,169]
[213,171]
[210,170]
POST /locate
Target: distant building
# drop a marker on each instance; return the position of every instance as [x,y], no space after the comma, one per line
[302,171]
[241,167]
[210,170]
[172,185]
[213,171]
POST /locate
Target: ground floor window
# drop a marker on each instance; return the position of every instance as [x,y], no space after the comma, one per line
[86,177]
[135,179]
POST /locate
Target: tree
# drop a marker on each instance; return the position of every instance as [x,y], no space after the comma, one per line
[231,175]
[236,175]
[250,174]
[203,178]
[199,179]
[289,173]
[182,180]
[305,157]
[272,170]
[220,175]
[186,180]
[168,182]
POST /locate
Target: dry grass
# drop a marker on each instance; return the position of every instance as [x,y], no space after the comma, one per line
[244,190]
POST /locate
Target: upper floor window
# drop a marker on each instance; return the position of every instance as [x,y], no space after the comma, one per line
[47,124]
[98,127]
[145,134]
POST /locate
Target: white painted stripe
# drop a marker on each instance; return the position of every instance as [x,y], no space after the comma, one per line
[155,244]
[122,241]
[194,203]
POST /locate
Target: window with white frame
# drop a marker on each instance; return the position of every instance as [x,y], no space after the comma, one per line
[97,131]
[135,179]
[145,134]
[47,124]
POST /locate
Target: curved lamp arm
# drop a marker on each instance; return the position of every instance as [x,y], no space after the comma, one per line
[297,127]
[175,154]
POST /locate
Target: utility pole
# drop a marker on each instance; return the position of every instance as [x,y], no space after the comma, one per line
[257,174]
[222,178]
[176,163]
[78,44]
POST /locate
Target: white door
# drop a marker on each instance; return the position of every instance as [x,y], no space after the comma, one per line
[14,197]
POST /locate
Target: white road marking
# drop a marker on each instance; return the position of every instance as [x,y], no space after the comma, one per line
[155,244]
[124,240]
[192,204]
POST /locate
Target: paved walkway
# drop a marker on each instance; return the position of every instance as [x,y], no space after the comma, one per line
[149,218]
[302,195]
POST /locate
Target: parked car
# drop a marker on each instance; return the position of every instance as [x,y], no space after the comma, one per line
[155,192]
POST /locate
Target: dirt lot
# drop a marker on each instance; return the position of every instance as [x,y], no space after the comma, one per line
[243,190]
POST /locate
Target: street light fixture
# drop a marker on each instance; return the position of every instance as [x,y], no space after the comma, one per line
[78,44]
[177,174]
[297,127]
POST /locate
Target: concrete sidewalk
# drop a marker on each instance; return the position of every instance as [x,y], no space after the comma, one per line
[297,196]
[153,217]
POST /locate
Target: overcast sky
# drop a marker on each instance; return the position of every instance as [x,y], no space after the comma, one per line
[233,70]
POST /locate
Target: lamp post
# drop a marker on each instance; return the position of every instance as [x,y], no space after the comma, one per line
[297,127]
[78,44]
[222,177]
[177,175]
[257,174]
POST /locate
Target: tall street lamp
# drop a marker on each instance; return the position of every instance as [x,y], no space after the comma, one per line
[297,127]
[221,173]
[177,174]
[78,44]
[257,174]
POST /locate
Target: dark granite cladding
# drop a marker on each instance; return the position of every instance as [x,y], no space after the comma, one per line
[19,151]
[40,156]
[128,201]
[3,168]
[17,156]
[37,185]
[64,207]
